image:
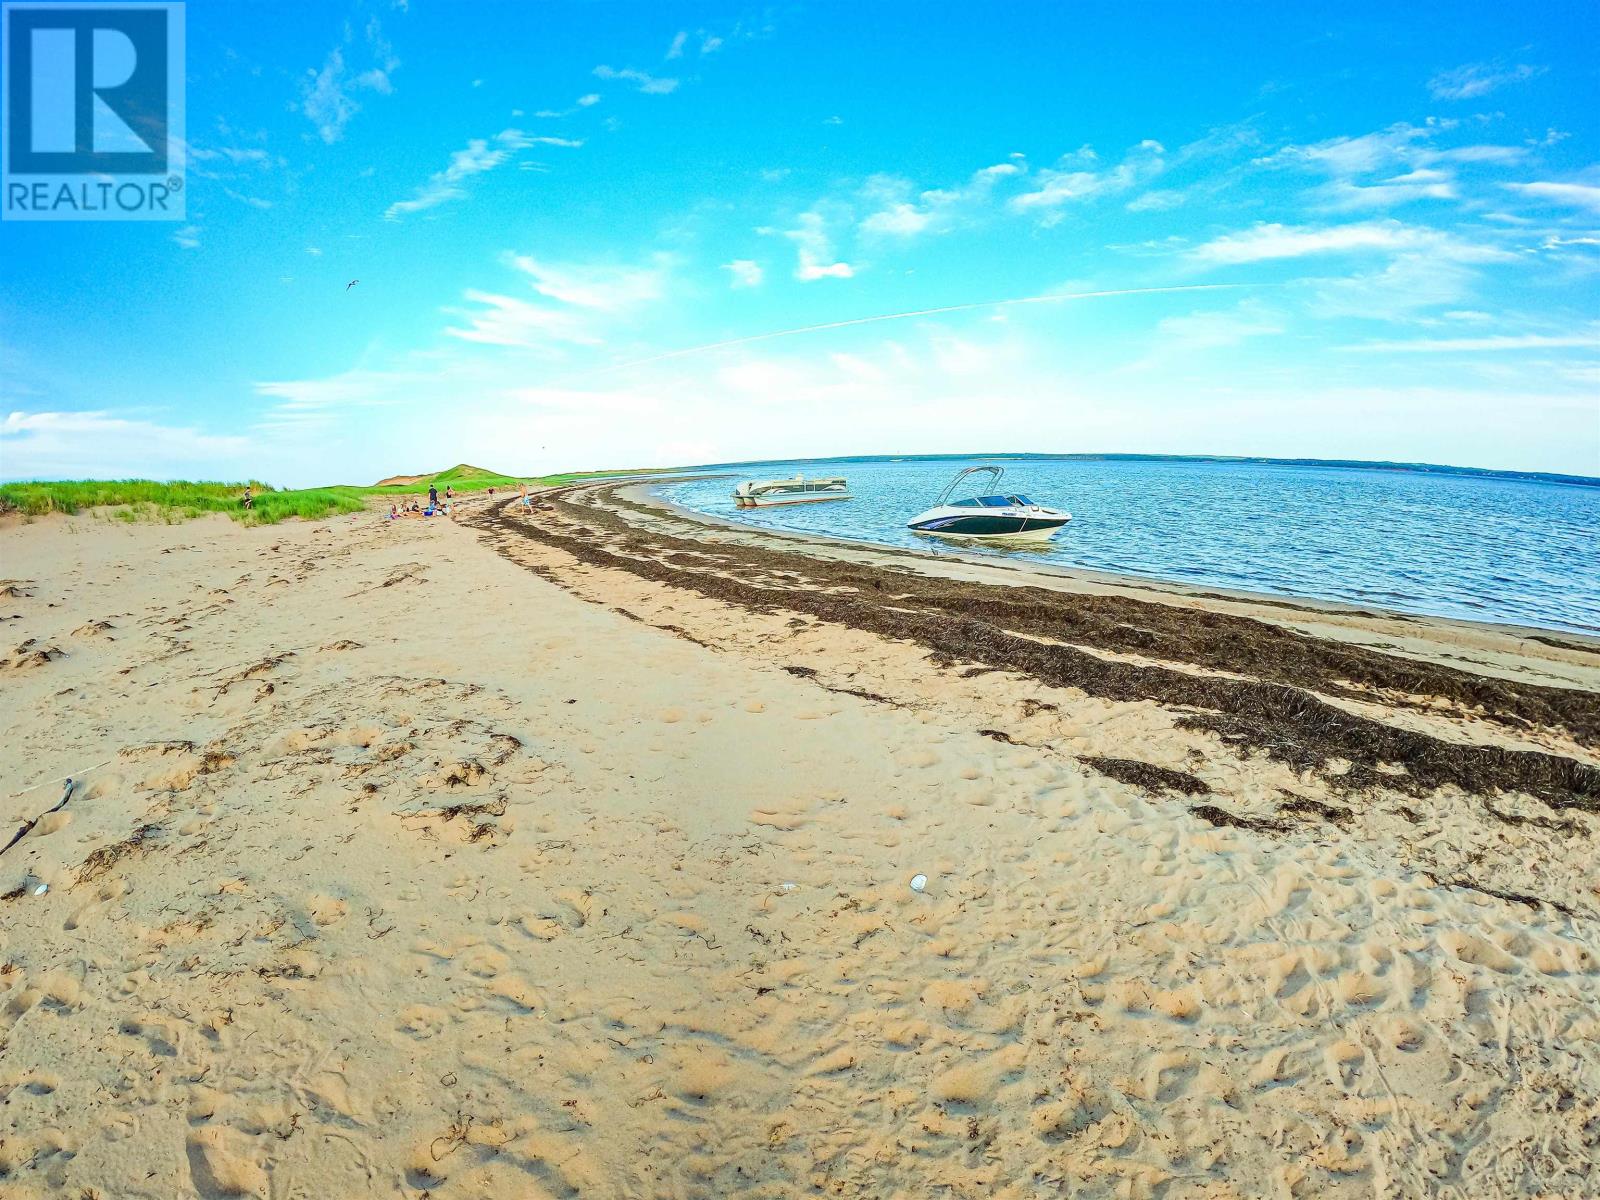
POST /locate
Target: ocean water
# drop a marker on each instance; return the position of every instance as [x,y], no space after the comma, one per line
[1487,548]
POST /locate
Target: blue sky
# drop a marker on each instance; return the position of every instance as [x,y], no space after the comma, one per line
[1353,231]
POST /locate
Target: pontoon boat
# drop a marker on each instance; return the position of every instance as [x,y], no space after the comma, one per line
[759,493]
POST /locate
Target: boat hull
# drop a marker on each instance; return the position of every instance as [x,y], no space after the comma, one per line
[987,526]
[775,501]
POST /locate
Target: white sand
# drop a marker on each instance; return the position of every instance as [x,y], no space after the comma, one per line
[396,869]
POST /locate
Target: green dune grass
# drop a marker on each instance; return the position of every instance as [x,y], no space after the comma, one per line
[176,500]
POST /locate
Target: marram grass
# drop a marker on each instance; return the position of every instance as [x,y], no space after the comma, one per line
[138,499]
[150,500]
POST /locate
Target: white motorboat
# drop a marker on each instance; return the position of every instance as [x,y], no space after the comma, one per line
[988,516]
[760,493]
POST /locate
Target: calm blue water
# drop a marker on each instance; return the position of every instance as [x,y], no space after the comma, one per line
[1488,549]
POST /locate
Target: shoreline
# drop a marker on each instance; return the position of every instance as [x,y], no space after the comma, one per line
[1157,584]
[1328,617]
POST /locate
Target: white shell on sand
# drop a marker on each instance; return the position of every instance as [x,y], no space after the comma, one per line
[919,882]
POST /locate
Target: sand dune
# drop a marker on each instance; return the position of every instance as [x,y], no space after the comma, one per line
[484,860]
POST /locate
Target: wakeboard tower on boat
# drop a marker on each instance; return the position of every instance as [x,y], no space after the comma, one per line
[988,516]
[761,493]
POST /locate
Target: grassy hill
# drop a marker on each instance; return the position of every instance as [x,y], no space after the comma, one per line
[176,500]
[463,477]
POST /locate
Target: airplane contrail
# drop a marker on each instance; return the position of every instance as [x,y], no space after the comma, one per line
[902,316]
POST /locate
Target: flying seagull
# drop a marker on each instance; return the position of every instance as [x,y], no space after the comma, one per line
[351,284]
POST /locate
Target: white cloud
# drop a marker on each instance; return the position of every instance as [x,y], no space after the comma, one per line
[314,251]
[1209,330]
[1273,241]
[815,251]
[747,273]
[252,201]
[188,237]
[589,100]
[605,288]
[1077,179]
[676,49]
[1576,195]
[900,214]
[1477,79]
[1343,157]
[1479,345]
[507,321]
[479,156]
[112,445]
[236,155]
[649,84]
[1421,184]
[326,95]
[1157,201]
[1409,285]
[582,297]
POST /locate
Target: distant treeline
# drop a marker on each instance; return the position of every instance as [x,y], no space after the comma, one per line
[1354,464]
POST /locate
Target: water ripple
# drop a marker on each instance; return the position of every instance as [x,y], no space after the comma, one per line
[1485,548]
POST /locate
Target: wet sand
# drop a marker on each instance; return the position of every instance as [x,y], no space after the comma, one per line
[567,853]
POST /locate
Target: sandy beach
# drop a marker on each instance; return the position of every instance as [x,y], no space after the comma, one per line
[567,852]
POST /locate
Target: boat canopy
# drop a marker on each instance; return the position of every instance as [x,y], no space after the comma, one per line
[988,469]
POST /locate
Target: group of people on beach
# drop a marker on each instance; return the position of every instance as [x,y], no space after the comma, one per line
[442,508]
[436,507]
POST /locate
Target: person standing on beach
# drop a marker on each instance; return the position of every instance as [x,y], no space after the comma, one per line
[433,496]
[522,490]
[249,500]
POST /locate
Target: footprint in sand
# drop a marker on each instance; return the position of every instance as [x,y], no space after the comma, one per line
[222,1162]
[1169,1077]
[326,910]
[423,1021]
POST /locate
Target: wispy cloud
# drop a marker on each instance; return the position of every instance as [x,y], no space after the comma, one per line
[815,250]
[1273,241]
[110,445]
[1478,79]
[479,156]
[901,213]
[234,154]
[579,298]
[1576,195]
[328,95]
[507,321]
[1079,178]
[746,273]
[188,237]
[604,287]
[649,84]
[1482,345]
[1422,184]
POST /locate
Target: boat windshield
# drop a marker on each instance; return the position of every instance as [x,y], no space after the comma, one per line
[987,502]
[1021,500]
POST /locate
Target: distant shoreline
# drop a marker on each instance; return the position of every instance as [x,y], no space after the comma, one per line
[1351,464]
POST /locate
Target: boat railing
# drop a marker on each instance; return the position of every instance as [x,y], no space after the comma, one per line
[989,469]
